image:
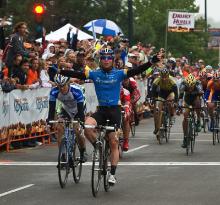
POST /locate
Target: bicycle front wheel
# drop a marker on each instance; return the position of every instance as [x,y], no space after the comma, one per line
[63,163]
[77,163]
[97,165]
[106,167]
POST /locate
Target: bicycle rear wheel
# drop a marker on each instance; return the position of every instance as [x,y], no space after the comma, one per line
[97,165]
[193,139]
[106,167]
[77,163]
[188,136]
[215,129]
[63,163]
[132,124]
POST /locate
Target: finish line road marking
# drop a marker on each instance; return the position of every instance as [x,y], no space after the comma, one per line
[137,148]
[147,138]
[120,164]
[15,190]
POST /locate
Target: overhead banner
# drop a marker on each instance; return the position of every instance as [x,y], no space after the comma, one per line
[181,21]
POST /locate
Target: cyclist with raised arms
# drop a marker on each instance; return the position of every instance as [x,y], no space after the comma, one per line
[72,100]
[107,81]
[191,90]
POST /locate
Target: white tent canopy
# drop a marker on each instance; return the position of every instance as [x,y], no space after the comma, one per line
[62,33]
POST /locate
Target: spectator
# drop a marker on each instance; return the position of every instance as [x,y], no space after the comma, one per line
[20,75]
[44,76]
[16,45]
[33,74]
[49,50]
[72,42]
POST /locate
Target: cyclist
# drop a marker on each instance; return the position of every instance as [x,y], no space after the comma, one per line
[213,94]
[126,102]
[131,85]
[165,88]
[107,81]
[72,100]
[191,90]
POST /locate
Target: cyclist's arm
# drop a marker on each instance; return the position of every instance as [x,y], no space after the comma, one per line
[175,90]
[52,110]
[74,74]
[154,90]
[81,115]
[140,69]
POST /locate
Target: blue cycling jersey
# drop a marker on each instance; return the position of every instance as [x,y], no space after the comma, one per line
[69,100]
[107,85]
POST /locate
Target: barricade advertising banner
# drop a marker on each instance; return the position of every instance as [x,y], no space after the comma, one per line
[4,109]
[181,21]
[91,99]
[29,106]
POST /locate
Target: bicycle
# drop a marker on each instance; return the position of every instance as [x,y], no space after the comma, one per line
[191,129]
[100,159]
[215,123]
[69,154]
[164,132]
[132,123]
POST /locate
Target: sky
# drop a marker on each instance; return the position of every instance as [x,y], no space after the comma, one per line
[213,11]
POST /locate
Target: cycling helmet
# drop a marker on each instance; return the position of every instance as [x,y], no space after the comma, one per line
[61,80]
[164,72]
[106,51]
[190,80]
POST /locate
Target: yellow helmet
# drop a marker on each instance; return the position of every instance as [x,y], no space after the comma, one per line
[190,80]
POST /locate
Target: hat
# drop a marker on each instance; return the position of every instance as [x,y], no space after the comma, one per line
[128,64]
[133,48]
[50,55]
[131,55]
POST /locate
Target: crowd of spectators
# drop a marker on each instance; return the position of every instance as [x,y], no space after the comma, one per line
[28,64]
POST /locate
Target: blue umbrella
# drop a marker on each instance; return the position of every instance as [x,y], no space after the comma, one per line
[103,26]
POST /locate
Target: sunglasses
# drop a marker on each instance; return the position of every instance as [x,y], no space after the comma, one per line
[106,58]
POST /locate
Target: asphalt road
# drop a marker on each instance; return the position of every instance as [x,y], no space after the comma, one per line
[148,174]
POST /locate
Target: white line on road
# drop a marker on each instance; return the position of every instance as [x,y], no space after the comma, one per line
[144,138]
[15,190]
[137,148]
[120,164]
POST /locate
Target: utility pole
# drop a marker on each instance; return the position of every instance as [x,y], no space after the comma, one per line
[130,20]
[206,24]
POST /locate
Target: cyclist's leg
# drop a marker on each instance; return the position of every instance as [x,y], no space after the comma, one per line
[185,126]
[96,118]
[171,106]
[197,104]
[126,128]
[158,115]
[60,126]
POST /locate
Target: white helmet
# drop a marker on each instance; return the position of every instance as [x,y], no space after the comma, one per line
[61,80]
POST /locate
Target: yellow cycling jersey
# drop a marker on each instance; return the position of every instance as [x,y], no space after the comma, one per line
[167,85]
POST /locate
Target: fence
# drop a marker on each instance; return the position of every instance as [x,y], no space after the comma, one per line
[23,113]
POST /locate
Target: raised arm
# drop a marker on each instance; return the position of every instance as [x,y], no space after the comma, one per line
[73,74]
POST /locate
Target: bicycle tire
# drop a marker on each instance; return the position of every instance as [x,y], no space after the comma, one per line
[106,166]
[132,124]
[63,167]
[214,133]
[193,138]
[97,165]
[188,137]
[77,163]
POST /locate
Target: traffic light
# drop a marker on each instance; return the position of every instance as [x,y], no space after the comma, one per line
[39,11]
